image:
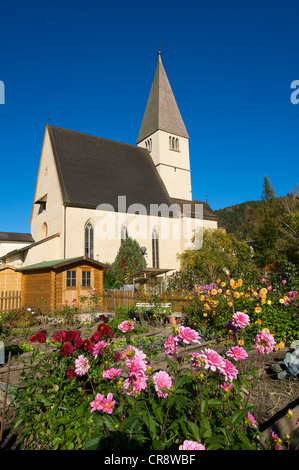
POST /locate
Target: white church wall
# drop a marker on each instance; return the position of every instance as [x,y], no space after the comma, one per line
[47,251]
[7,247]
[174,234]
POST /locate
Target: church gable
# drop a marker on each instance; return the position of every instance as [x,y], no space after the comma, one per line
[47,208]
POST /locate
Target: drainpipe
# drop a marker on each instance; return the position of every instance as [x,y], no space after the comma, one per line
[64,232]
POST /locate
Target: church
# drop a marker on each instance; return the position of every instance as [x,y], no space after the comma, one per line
[92,193]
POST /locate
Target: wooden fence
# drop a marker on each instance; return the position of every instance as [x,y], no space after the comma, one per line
[109,302]
[10,300]
[115,299]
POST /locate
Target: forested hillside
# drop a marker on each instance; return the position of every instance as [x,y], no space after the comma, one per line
[241,219]
[272,224]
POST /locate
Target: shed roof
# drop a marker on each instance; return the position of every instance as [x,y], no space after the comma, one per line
[55,264]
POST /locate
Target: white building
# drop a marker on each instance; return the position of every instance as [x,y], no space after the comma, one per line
[91,192]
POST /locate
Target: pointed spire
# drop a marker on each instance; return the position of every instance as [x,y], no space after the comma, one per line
[162,112]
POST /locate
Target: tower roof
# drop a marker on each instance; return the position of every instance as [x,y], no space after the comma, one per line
[162,112]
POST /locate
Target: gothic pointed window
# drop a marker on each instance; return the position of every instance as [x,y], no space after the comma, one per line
[155,248]
[88,240]
[123,233]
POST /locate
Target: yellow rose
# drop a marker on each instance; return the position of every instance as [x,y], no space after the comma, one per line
[223,284]
[213,292]
[232,282]
[257,309]
[229,304]
[281,301]
[269,302]
[236,295]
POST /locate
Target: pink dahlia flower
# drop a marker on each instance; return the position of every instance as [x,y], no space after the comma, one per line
[240,319]
[236,352]
[229,370]
[81,365]
[108,404]
[191,445]
[212,359]
[162,379]
[126,326]
[187,335]
[136,383]
[97,348]
[251,420]
[264,342]
[135,359]
[111,373]
[170,346]
[97,404]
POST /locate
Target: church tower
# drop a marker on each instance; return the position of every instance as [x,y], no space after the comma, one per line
[164,134]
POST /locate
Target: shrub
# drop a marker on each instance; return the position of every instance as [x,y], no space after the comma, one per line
[275,308]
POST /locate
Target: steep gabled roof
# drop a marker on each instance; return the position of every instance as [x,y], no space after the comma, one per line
[94,171]
[162,112]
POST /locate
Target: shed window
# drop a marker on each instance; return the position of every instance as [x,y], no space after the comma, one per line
[85,278]
[71,279]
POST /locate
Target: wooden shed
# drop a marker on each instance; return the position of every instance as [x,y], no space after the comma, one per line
[10,279]
[53,284]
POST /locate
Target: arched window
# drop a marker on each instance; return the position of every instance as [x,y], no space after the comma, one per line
[170,142]
[88,240]
[155,248]
[44,230]
[177,147]
[123,233]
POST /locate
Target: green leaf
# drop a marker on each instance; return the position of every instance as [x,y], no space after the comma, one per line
[70,445]
[206,427]
[237,416]
[92,443]
[158,413]
[109,422]
[157,445]
[194,430]
[151,424]
[215,402]
[132,419]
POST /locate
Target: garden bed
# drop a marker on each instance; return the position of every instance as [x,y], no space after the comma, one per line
[271,397]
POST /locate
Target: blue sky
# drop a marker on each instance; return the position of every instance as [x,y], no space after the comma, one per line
[89,66]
